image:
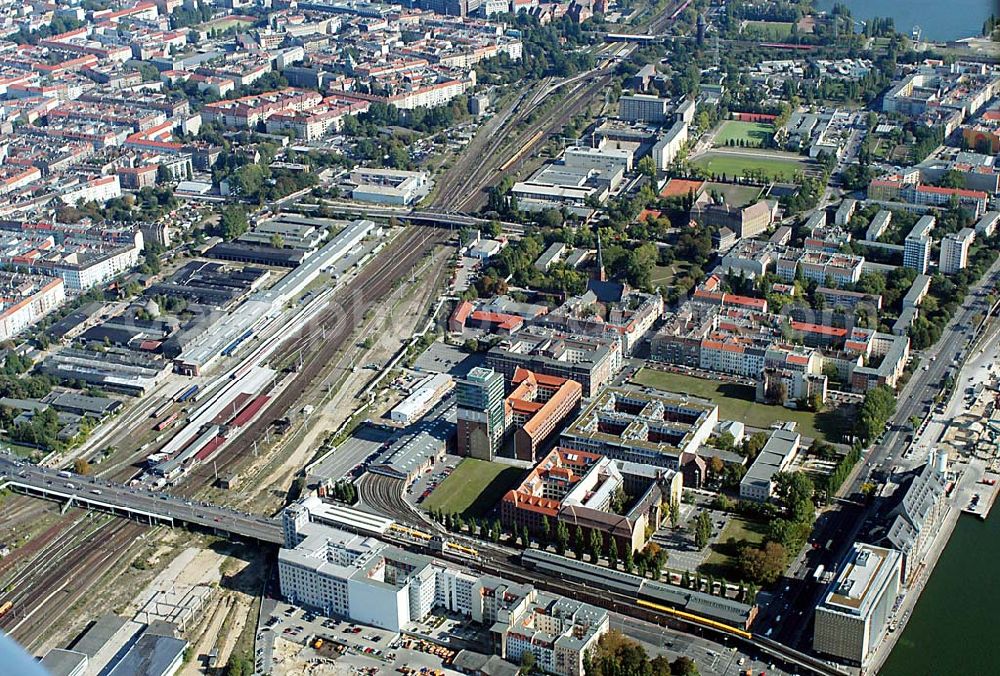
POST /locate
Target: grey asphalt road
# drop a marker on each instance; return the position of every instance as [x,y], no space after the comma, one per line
[88,490]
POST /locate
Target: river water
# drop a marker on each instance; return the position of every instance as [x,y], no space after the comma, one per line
[939,19]
[954,627]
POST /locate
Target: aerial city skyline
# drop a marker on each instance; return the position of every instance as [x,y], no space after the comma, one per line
[574,337]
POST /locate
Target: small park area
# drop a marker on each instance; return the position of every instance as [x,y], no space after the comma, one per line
[723,561]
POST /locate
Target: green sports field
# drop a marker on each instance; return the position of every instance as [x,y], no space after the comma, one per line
[224,24]
[768,30]
[775,167]
[754,134]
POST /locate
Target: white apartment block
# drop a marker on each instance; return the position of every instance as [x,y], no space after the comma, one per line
[845,211]
[821,266]
[732,355]
[917,246]
[776,455]
[98,190]
[25,299]
[430,96]
[852,618]
[669,145]
[878,226]
[558,631]
[368,581]
[987,225]
[82,273]
[919,514]
[955,251]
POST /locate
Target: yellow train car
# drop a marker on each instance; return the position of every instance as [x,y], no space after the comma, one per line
[694,619]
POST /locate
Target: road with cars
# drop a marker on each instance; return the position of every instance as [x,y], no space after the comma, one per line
[136,502]
[837,529]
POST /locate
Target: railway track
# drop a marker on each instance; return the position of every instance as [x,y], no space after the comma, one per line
[469,171]
[70,563]
[390,260]
[551,123]
[667,16]
[479,167]
[374,283]
[384,495]
[67,568]
[482,167]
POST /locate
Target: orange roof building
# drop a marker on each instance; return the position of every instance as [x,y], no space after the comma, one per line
[819,335]
[710,292]
[586,490]
[456,323]
[536,407]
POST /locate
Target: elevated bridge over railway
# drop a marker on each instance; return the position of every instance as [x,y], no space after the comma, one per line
[154,508]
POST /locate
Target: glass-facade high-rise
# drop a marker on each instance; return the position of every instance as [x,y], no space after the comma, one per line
[480,397]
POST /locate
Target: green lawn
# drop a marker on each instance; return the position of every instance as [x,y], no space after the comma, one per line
[19,450]
[735,195]
[664,275]
[776,167]
[768,30]
[736,402]
[722,561]
[224,24]
[752,133]
[474,487]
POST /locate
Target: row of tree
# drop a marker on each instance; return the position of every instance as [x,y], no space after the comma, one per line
[345,491]
[581,542]
[875,410]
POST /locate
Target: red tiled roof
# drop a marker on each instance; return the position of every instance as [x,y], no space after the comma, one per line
[746,301]
[724,346]
[961,192]
[462,312]
[506,322]
[807,327]
[646,214]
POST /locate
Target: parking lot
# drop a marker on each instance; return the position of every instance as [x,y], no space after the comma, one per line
[366,442]
[466,273]
[679,542]
[293,637]
[422,487]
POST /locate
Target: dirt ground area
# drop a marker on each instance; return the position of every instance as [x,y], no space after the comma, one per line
[116,592]
[216,614]
[241,582]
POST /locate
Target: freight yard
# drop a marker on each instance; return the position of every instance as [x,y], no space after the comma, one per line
[503,337]
[195,429]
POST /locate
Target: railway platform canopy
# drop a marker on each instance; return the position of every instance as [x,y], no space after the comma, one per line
[344,517]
